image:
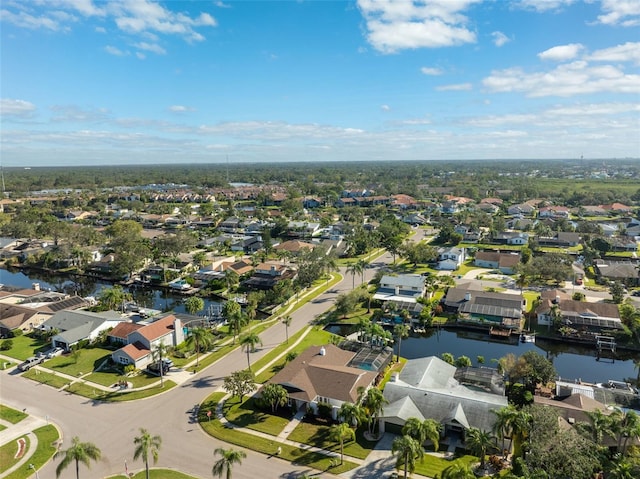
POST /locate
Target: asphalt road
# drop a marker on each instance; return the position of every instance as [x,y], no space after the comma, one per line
[113,426]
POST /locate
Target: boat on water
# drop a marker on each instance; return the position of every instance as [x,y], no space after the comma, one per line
[528,338]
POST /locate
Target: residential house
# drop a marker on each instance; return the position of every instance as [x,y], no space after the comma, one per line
[266,275]
[617,208]
[626,272]
[450,259]
[14,317]
[294,247]
[246,244]
[429,388]
[505,262]
[76,326]
[553,212]
[525,209]
[415,219]
[303,229]
[142,340]
[491,309]
[323,374]
[562,239]
[404,202]
[511,238]
[231,225]
[580,315]
[403,290]
[519,223]
[468,234]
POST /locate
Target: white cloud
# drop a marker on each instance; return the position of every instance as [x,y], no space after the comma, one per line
[543,5]
[561,52]
[620,12]
[431,71]
[455,87]
[565,80]
[16,108]
[151,47]
[135,17]
[100,30]
[115,51]
[394,25]
[76,114]
[222,5]
[499,39]
[385,108]
[628,52]
[180,108]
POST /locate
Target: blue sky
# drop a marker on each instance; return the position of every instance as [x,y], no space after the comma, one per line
[87,82]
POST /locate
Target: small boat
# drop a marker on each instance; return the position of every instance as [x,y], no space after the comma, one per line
[528,338]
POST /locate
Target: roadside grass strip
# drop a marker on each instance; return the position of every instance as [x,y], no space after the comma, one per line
[48,437]
[296,455]
[133,395]
[12,415]
[45,377]
[12,452]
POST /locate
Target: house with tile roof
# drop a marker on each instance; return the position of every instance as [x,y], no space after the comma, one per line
[323,374]
[141,340]
[505,262]
[429,388]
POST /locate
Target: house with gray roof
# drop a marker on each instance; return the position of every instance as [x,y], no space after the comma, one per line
[492,309]
[427,388]
[76,326]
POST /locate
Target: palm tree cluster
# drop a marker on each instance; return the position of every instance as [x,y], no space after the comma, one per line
[147,446]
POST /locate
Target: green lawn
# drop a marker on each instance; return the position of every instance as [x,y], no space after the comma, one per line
[247,414]
[432,466]
[11,415]
[26,346]
[317,434]
[47,439]
[296,455]
[45,377]
[8,453]
[87,360]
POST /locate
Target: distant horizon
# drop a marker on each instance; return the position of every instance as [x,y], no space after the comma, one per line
[167,81]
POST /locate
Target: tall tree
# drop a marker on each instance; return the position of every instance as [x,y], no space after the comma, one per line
[400,331]
[287,322]
[249,342]
[340,433]
[373,401]
[407,450]
[146,445]
[351,414]
[275,395]
[239,383]
[200,338]
[158,353]
[233,314]
[228,459]
[79,452]
[423,430]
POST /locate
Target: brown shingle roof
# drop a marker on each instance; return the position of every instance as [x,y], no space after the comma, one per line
[312,374]
[135,350]
[158,328]
[122,330]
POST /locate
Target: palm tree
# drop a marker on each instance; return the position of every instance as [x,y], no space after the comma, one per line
[353,269]
[598,426]
[194,304]
[351,414]
[362,265]
[249,343]
[400,331]
[287,322]
[233,314]
[626,425]
[79,452]
[340,433]
[457,470]
[200,337]
[147,444]
[160,351]
[503,427]
[373,402]
[229,458]
[520,427]
[429,429]
[480,442]
[407,450]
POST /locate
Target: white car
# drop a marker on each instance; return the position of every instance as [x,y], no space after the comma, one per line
[52,353]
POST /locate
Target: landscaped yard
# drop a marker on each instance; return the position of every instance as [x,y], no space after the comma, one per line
[248,415]
[8,454]
[432,466]
[26,346]
[47,440]
[316,434]
[81,362]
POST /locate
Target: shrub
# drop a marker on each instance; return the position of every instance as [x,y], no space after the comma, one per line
[17,332]
[324,410]
[6,345]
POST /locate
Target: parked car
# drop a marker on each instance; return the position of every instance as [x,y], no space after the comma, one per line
[154,367]
[30,362]
[52,353]
[636,293]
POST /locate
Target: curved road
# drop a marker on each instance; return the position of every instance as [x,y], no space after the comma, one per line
[113,426]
